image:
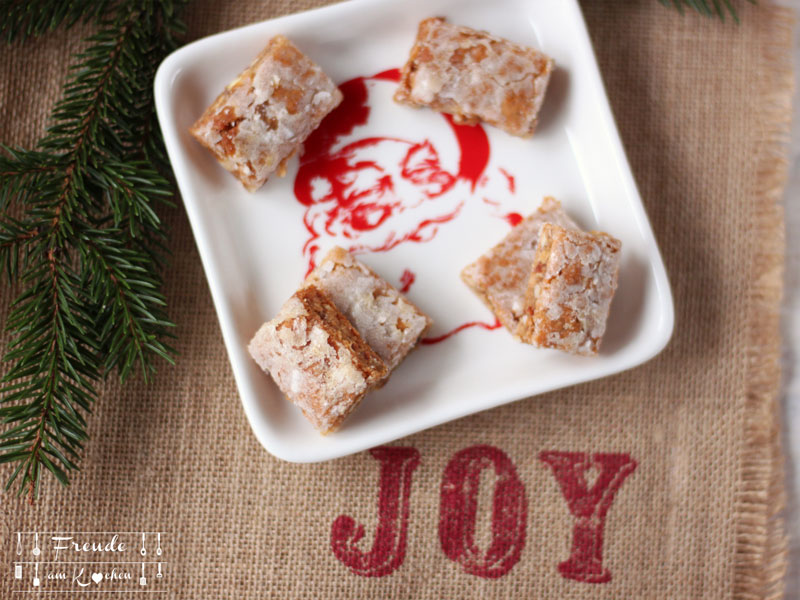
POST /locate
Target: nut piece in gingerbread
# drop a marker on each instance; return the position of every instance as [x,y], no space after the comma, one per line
[571,286]
[386,319]
[500,277]
[475,76]
[261,119]
[317,359]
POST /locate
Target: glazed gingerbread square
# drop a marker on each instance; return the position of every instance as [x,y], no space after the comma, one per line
[572,283]
[475,76]
[500,277]
[387,320]
[317,358]
[262,118]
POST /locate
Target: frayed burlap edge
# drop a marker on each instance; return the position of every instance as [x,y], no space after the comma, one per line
[761,542]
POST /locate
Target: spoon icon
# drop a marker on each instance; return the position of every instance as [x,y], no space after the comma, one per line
[36,551]
[19,543]
[143,550]
[158,550]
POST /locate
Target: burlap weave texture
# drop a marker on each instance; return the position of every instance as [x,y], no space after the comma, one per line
[701,107]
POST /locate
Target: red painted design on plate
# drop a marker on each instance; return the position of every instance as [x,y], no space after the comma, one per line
[352,192]
[407,279]
[388,75]
[353,188]
[512,182]
[440,338]
[458,512]
[588,505]
[394,490]
[512,218]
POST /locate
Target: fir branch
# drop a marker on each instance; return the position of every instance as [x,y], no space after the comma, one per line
[22,169]
[709,8]
[87,250]
[26,18]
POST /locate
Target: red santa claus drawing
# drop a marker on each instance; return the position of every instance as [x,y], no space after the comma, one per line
[374,193]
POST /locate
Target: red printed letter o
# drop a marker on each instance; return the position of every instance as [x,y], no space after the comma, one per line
[459,504]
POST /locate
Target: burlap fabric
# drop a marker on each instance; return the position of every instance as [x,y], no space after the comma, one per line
[703,108]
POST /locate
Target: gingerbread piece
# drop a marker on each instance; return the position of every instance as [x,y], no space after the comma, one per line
[500,277]
[317,358]
[572,283]
[475,76]
[261,119]
[389,323]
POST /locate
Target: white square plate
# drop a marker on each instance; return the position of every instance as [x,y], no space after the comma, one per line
[432,196]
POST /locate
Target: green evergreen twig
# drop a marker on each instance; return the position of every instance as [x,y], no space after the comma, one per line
[87,248]
[709,8]
[26,18]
